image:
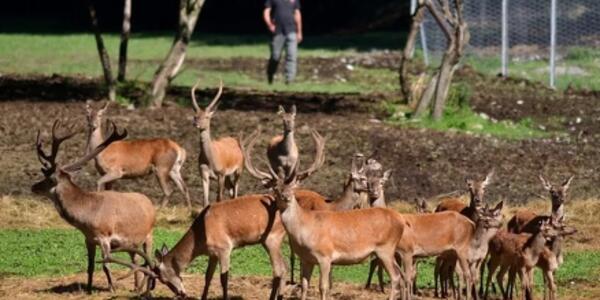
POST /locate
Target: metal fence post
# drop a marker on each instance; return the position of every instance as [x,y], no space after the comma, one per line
[552,43]
[504,54]
[413,8]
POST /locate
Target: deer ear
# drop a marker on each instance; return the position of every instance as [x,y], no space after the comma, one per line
[293,110]
[488,179]
[386,175]
[164,250]
[88,106]
[469,183]
[280,110]
[103,109]
[567,182]
[545,182]
[499,207]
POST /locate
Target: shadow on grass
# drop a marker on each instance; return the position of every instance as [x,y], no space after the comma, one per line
[72,288]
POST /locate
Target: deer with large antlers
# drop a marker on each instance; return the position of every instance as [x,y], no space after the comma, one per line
[221,159]
[114,221]
[218,230]
[317,236]
[136,158]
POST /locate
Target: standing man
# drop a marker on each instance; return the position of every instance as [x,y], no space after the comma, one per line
[284,20]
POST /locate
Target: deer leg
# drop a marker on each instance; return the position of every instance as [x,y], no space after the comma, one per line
[175,175]
[105,247]
[436,276]
[380,278]
[162,175]
[147,247]
[236,182]
[551,285]
[91,254]
[500,281]
[108,178]
[210,271]
[273,247]
[407,263]
[221,181]
[492,266]
[307,269]
[325,268]
[224,259]
[137,280]
[372,266]
[205,173]
[292,262]
[466,277]
[387,261]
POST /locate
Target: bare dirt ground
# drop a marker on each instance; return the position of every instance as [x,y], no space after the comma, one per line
[424,162]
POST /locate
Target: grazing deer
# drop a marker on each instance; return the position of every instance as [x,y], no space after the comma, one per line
[114,221]
[518,253]
[476,192]
[526,217]
[221,159]
[282,151]
[135,158]
[217,231]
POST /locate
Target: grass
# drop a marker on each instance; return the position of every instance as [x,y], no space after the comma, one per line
[75,54]
[459,116]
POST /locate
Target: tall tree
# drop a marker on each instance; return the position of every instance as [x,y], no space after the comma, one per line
[104,58]
[125,31]
[169,68]
[449,17]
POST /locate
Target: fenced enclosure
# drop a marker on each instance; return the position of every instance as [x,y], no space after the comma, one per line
[554,41]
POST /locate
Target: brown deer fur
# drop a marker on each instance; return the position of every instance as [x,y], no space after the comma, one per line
[221,159]
[108,219]
[519,252]
[282,151]
[135,158]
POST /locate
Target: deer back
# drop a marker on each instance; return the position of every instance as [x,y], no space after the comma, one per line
[136,157]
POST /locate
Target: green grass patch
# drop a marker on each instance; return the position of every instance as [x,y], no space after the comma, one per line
[55,252]
[459,116]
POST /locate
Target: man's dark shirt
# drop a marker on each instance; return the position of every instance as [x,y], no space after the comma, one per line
[283,13]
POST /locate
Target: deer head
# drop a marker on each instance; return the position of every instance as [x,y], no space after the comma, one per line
[421,206]
[548,229]
[202,117]
[376,179]
[49,166]
[167,275]
[477,189]
[357,173]
[270,179]
[289,118]
[94,117]
[558,193]
[491,218]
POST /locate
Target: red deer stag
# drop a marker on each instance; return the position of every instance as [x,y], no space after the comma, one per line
[318,236]
[221,159]
[217,231]
[114,221]
[135,158]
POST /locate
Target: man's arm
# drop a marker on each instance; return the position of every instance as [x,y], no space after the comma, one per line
[298,20]
[267,19]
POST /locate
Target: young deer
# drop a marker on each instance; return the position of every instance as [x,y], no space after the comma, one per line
[476,192]
[217,231]
[518,253]
[135,158]
[114,221]
[525,218]
[282,151]
[221,159]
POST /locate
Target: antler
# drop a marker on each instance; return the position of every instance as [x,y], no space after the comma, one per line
[49,161]
[134,268]
[114,136]
[216,99]
[194,102]
[319,156]
[267,179]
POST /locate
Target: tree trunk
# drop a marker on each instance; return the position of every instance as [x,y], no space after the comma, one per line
[168,69]
[408,52]
[125,31]
[104,58]
[444,80]
[426,97]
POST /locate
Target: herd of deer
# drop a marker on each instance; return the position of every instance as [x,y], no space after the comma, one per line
[345,231]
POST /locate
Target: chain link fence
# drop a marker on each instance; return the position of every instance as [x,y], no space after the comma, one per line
[554,41]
